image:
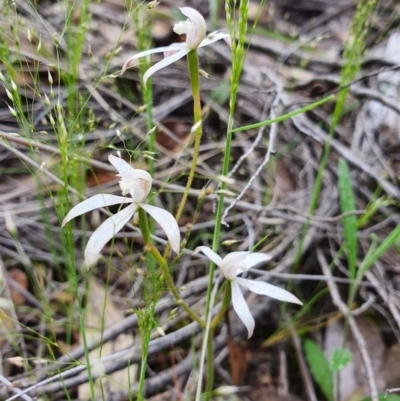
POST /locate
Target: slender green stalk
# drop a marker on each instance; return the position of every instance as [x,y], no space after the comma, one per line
[150,248]
[213,324]
[84,340]
[210,364]
[193,64]
[143,24]
[224,308]
[286,116]
[146,323]
[237,65]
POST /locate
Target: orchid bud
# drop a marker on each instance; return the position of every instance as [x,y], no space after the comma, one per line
[194,27]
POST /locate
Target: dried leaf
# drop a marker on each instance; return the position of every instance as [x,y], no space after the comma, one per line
[238,360]
[101,313]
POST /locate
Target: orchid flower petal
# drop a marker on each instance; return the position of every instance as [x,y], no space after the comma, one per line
[173,46]
[210,254]
[105,232]
[214,37]
[272,291]
[236,263]
[125,170]
[195,28]
[241,308]
[164,63]
[255,258]
[233,264]
[119,164]
[167,223]
[100,200]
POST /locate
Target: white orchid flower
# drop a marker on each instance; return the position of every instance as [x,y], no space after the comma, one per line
[194,28]
[137,183]
[236,263]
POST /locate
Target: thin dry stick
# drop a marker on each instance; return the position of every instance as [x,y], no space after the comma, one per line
[386,296]
[114,331]
[205,339]
[11,388]
[111,363]
[250,150]
[353,326]
[271,146]
[305,373]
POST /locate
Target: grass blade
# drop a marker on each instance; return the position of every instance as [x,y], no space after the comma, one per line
[347,205]
[320,369]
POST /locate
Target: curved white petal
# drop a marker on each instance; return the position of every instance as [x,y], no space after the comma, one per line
[167,223]
[197,27]
[173,46]
[135,174]
[164,63]
[255,258]
[125,170]
[241,308]
[105,232]
[100,200]
[263,288]
[233,264]
[214,37]
[120,164]
[210,254]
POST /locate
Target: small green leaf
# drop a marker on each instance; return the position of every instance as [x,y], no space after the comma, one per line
[383,397]
[347,204]
[371,257]
[320,369]
[340,359]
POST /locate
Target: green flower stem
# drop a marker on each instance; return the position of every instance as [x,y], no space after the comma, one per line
[225,306]
[144,225]
[193,64]
[150,248]
[145,228]
[237,65]
[210,364]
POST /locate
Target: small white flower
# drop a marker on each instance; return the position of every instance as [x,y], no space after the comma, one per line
[194,28]
[236,263]
[137,183]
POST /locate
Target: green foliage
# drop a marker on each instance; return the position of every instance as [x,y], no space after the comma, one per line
[340,359]
[372,257]
[384,397]
[351,63]
[347,204]
[319,368]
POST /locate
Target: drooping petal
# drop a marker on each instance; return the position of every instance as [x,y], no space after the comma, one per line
[263,288]
[210,254]
[241,308]
[173,46]
[96,201]
[195,29]
[233,264]
[105,232]
[214,37]
[167,223]
[164,63]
